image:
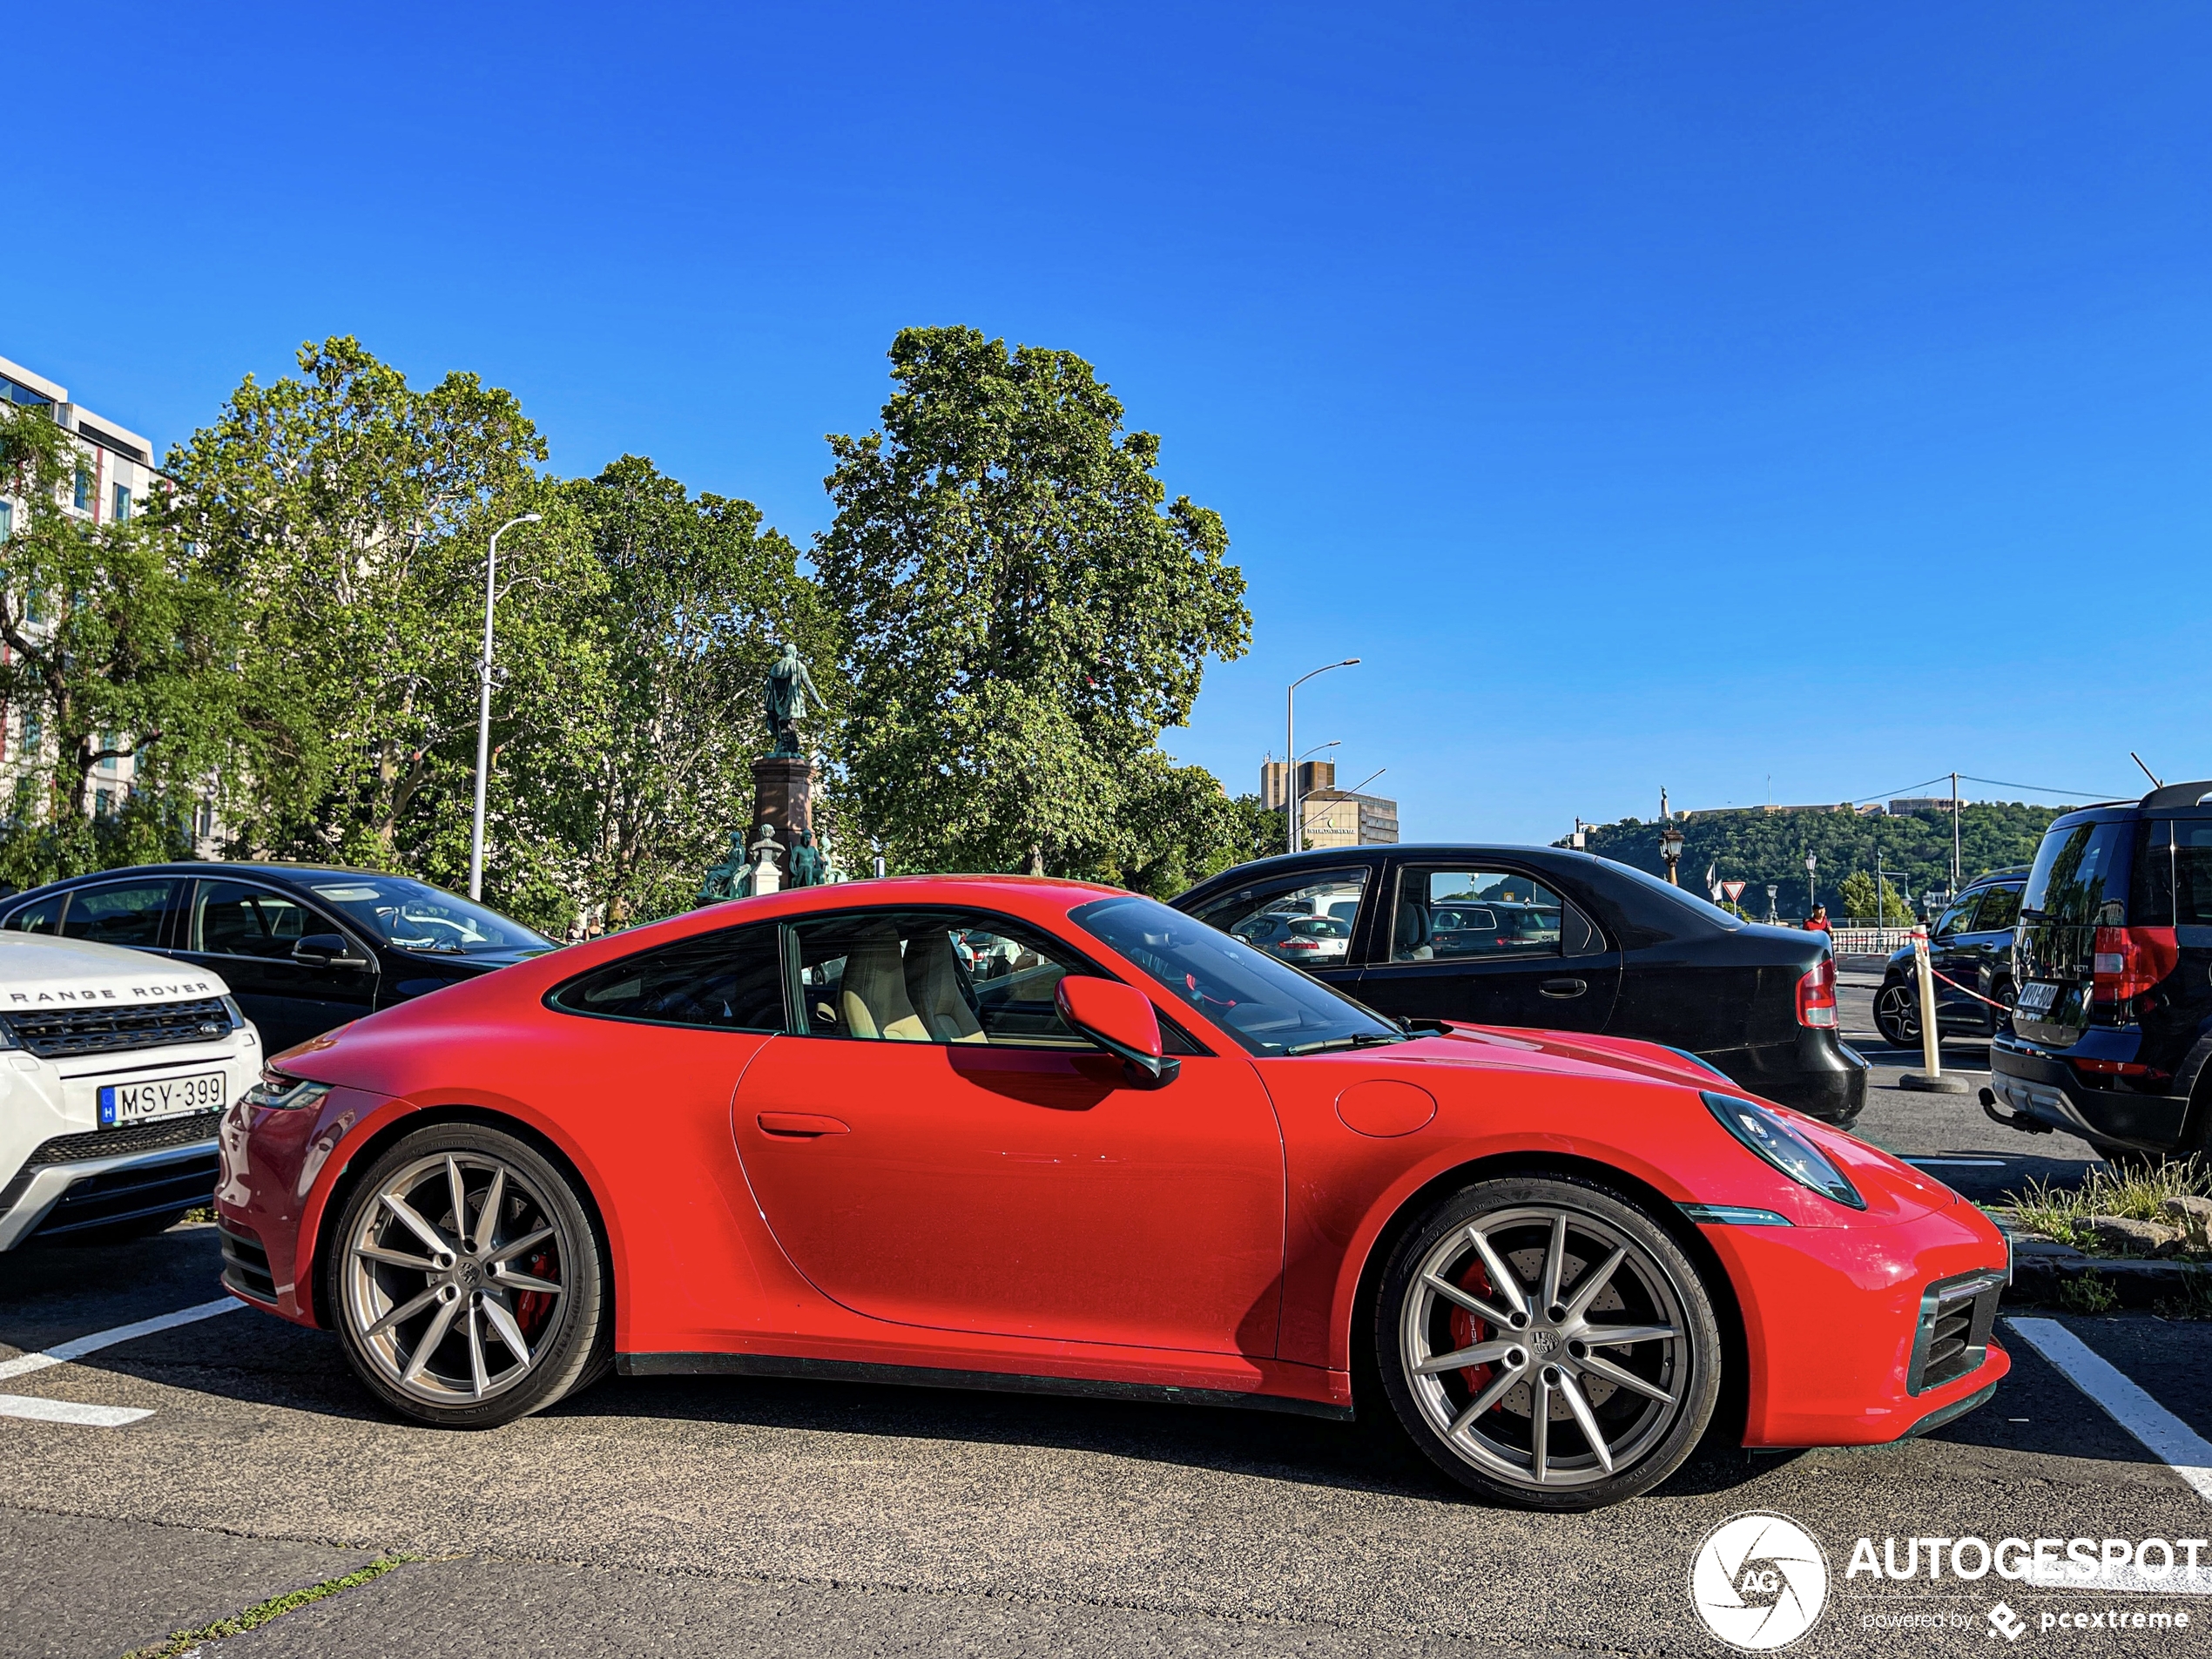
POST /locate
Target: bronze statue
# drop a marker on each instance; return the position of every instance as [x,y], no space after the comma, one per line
[725,879]
[784,701]
[805,863]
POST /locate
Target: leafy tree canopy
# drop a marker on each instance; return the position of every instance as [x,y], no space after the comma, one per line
[1750,845]
[1024,610]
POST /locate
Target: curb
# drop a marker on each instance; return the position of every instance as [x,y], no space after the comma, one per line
[2037,1275]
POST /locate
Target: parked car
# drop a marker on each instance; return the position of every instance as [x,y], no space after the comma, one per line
[1972,943]
[1298,936]
[1554,940]
[2112,1024]
[304,946]
[796,1136]
[118,1069]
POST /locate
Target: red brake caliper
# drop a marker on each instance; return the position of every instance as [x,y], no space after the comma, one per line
[1467,1329]
[530,1305]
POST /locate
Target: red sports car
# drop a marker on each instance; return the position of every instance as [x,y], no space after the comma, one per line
[1008,1133]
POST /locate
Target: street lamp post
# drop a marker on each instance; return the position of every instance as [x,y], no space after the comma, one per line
[1294,838]
[483,707]
[1812,898]
[1670,849]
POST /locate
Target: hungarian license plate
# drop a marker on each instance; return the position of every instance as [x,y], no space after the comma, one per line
[2038,997]
[122,1103]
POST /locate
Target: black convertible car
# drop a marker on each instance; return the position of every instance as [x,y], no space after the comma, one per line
[1538,936]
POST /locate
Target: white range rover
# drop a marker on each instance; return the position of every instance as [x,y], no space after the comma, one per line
[116,1068]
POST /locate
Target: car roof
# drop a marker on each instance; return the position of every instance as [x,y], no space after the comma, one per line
[276,867]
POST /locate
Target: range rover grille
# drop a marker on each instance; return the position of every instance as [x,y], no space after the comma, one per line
[58,1033]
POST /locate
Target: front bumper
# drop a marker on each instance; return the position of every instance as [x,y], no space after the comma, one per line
[69,1192]
[2040,1086]
[1860,1335]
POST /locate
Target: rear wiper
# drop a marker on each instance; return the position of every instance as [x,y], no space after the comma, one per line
[1363,1040]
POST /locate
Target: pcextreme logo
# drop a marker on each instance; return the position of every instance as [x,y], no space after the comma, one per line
[1759,1581]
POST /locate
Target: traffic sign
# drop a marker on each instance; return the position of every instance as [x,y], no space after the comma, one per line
[1734,889]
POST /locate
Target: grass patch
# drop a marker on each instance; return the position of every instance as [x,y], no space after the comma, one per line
[2087,1293]
[2062,1213]
[276,1607]
[2194,1301]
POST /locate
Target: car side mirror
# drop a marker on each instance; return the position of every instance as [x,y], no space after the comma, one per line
[1120,1018]
[327,950]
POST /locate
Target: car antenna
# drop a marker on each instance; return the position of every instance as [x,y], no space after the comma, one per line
[2157,782]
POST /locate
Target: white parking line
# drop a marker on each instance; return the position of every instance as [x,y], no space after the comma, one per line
[62,1352]
[2178,1446]
[64,1411]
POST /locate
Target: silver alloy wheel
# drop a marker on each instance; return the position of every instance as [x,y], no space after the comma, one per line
[1568,1361]
[1898,1007]
[453,1277]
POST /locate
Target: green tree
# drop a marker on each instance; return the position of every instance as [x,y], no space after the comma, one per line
[1023,611]
[652,771]
[1859,901]
[120,646]
[350,513]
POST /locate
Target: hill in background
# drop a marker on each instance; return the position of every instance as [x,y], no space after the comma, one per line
[1759,846]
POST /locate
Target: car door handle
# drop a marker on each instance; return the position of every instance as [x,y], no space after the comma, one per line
[801,1126]
[1563,987]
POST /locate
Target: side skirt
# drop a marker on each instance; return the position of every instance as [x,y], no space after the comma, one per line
[768,1365]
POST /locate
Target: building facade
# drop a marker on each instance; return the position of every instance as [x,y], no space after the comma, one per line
[1329,816]
[115,474]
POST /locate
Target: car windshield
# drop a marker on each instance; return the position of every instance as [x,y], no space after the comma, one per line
[412,916]
[1269,1007]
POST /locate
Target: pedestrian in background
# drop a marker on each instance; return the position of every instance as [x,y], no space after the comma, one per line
[1817,922]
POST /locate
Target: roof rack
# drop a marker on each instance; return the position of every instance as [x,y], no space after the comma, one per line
[2179,794]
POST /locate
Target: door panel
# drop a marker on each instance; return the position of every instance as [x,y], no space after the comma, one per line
[1020,1191]
[1494,947]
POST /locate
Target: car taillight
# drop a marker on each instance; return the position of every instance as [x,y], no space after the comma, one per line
[1302,944]
[2130,961]
[1816,994]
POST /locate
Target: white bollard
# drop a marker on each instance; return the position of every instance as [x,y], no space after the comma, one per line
[1932,1079]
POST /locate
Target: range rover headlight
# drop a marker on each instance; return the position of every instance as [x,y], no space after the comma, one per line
[281,1093]
[1766,1134]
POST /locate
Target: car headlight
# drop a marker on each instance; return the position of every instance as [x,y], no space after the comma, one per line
[237,1014]
[1766,1134]
[285,1094]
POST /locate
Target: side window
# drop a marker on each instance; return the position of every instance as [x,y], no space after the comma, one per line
[2193,872]
[1960,918]
[45,917]
[125,912]
[235,919]
[1307,919]
[1446,914]
[2000,907]
[731,981]
[930,976]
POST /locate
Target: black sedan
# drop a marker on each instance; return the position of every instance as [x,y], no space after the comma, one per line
[1538,936]
[304,947]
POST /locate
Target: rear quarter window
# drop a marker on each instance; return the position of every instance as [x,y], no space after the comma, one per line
[2078,880]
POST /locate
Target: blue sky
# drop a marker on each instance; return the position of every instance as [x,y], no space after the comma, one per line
[1684,396]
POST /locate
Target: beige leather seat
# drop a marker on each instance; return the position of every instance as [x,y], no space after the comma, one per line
[934,975]
[873,998]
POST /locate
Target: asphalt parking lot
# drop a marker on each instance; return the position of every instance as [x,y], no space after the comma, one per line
[707,1517]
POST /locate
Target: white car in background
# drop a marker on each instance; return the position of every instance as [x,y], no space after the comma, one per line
[116,1068]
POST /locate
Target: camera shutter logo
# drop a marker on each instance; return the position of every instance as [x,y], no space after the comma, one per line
[1759,1581]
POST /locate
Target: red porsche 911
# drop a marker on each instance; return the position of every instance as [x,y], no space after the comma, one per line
[1025,1134]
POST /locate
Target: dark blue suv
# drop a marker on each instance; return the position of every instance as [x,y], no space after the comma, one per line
[2112,966]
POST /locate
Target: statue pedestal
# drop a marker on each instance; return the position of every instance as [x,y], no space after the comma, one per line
[783,794]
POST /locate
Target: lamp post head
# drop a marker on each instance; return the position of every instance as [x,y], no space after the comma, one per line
[1812,862]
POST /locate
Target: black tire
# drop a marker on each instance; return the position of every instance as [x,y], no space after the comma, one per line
[1649,1399]
[1896,1015]
[471,1302]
